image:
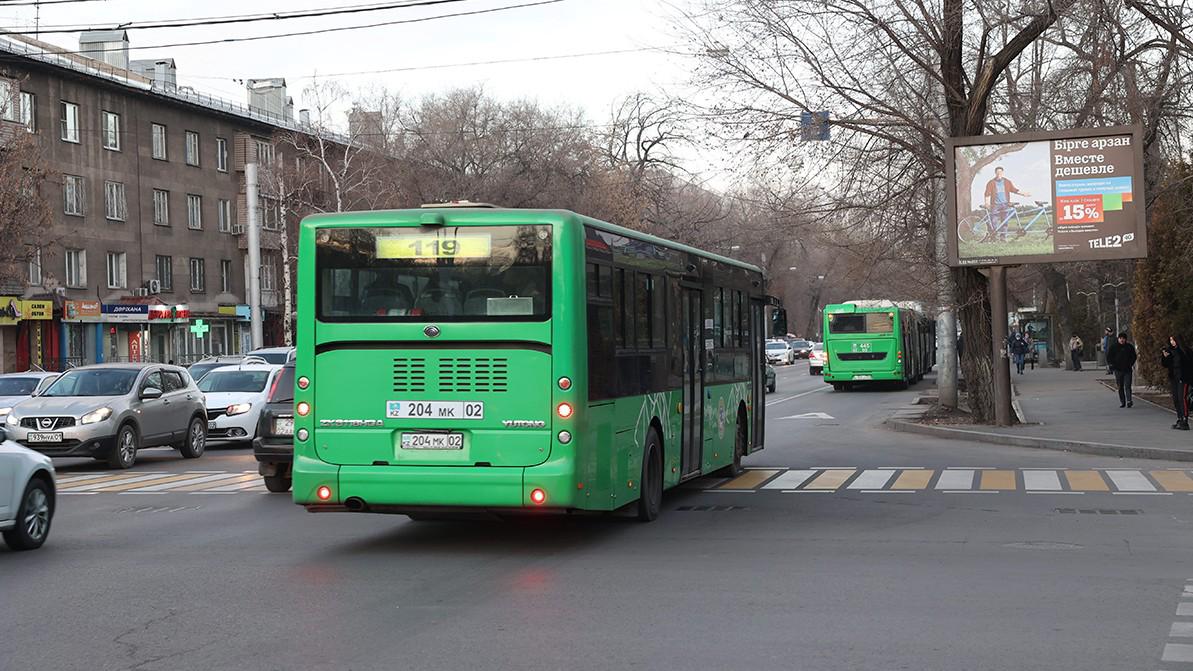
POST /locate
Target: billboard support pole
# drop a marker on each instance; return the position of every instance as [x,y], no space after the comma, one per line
[998,323]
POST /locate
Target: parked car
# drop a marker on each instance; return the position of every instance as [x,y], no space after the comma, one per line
[274,445]
[816,359]
[27,495]
[110,411]
[770,379]
[778,351]
[802,348]
[17,387]
[275,355]
[235,397]
[200,368]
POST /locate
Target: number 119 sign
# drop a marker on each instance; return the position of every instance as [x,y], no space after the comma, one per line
[1044,197]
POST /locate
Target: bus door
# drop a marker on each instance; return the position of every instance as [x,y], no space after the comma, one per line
[693,380]
[758,365]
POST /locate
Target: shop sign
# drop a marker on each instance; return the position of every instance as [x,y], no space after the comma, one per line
[171,313]
[238,311]
[125,312]
[13,310]
[82,311]
[39,310]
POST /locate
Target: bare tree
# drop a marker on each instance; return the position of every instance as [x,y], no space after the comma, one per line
[25,213]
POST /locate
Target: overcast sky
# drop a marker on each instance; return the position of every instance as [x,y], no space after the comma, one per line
[567,27]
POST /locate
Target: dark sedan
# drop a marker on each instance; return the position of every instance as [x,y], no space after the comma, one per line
[802,348]
[274,445]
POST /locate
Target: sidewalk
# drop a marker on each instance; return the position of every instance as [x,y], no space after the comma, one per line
[1073,411]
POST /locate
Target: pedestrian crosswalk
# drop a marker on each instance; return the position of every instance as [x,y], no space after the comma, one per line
[1118,481]
[142,482]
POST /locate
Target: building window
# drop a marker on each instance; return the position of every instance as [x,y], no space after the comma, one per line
[76,268]
[114,202]
[268,272]
[161,207]
[117,270]
[191,155]
[194,211]
[270,211]
[9,100]
[70,122]
[198,276]
[225,276]
[73,195]
[111,130]
[35,267]
[223,211]
[159,142]
[264,152]
[165,272]
[221,154]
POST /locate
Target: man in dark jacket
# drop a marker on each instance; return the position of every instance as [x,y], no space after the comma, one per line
[1179,362]
[1121,358]
[1019,347]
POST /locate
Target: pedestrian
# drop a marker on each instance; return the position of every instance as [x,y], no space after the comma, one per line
[1179,362]
[1019,347]
[1107,343]
[1075,348]
[1121,357]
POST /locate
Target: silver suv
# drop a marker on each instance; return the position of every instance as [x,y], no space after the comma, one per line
[109,411]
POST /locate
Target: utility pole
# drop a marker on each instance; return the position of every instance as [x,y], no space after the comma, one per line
[254,243]
[946,299]
[998,336]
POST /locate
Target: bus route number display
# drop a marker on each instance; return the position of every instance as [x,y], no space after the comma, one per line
[435,247]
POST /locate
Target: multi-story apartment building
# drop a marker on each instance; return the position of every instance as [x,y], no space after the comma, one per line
[149,207]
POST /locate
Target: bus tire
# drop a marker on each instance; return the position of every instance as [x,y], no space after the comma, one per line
[734,468]
[650,485]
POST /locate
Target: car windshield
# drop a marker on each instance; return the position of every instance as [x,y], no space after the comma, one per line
[818,347]
[17,386]
[95,382]
[234,381]
[278,358]
[776,345]
[800,344]
[283,386]
[198,370]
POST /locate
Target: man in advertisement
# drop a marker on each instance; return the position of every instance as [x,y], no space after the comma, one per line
[998,201]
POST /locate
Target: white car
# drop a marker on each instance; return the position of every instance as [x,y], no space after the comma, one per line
[17,387]
[779,351]
[26,495]
[235,397]
[816,359]
[275,355]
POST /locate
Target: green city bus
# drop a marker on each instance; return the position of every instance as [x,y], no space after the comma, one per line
[873,341]
[501,360]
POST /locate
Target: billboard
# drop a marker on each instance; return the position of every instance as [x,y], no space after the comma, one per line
[1046,197]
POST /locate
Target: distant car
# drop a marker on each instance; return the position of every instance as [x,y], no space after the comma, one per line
[802,348]
[235,396]
[770,379]
[200,368]
[275,355]
[274,445]
[110,411]
[17,387]
[27,495]
[778,351]
[816,359]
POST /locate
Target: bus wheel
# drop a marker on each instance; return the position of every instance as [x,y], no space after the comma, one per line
[650,486]
[734,468]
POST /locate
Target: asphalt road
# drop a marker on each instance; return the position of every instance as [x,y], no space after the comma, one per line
[845,547]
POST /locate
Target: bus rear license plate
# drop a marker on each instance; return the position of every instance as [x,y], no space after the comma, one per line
[434,410]
[55,437]
[863,377]
[432,441]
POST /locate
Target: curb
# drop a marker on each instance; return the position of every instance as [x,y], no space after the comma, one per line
[1101,449]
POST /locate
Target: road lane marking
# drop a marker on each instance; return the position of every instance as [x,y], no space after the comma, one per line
[1130,481]
[247,484]
[1041,481]
[1086,481]
[140,486]
[955,479]
[1185,609]
[1174,481]
[788,398]
[1177,652]
[123,480]
[96,478]
[790,480]
[913,479]
[831,479]
[872,480]
[750,480]
[998,480]
[1182,630]
[207,482]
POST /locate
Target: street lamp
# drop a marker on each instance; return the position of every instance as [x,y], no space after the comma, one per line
[1116,285]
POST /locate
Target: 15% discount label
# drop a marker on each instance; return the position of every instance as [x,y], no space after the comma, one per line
[1079,209]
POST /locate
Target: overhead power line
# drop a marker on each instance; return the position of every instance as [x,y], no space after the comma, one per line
[321,31]
[31,3]
[239,18]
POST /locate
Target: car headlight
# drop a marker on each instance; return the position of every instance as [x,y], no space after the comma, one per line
[5,411]
[239,408]
[97,415]
[11,420]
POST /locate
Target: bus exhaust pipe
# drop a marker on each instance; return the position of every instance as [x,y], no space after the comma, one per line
[355,504]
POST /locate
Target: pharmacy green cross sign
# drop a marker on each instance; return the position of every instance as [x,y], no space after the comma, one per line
[199,328]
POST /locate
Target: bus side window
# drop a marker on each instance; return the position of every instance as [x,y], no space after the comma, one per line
[642,309]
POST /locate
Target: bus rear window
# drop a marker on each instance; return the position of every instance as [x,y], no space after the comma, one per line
[867,322]
[472,273]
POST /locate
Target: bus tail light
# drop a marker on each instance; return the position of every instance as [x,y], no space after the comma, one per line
[324,492]
[565,383]
[303,408]
[564,410]
[900,355]
[304,382]
[538,496]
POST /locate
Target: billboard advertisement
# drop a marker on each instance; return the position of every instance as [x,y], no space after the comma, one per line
[1046,197]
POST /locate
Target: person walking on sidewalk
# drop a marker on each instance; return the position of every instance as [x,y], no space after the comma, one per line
[1107,343]
[1019,347]
[1075,347]
[1179,362]
[1121,358]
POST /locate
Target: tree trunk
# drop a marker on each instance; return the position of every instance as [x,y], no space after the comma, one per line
[1062,326]
[974,297]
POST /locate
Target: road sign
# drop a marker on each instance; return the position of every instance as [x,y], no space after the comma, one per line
[199,329]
